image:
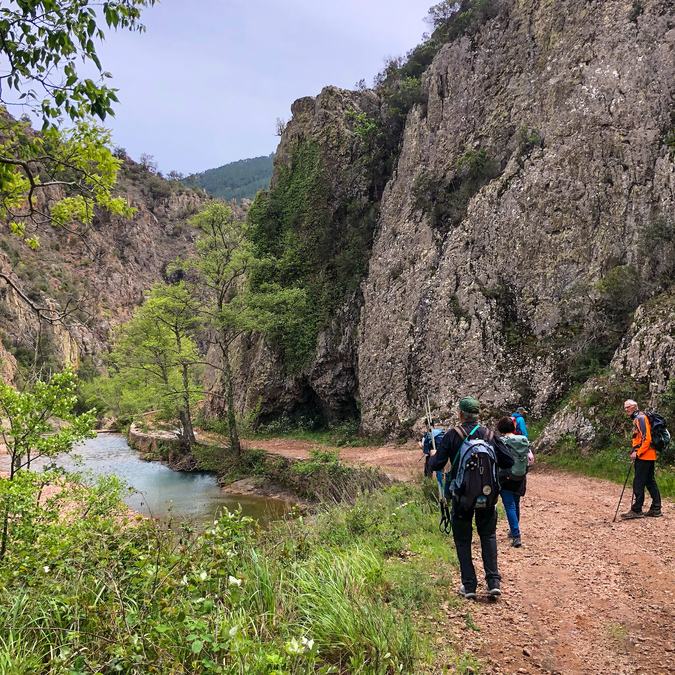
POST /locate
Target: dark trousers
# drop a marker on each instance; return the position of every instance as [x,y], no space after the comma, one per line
[462,531]
[644,478]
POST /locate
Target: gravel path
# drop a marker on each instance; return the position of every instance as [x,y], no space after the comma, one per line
[583,594]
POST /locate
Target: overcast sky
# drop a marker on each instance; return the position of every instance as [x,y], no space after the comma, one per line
[207,81]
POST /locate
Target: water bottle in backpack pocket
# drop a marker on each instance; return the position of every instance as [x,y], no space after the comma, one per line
[475,485]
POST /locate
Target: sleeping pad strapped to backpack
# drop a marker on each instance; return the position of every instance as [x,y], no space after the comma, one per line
[475,484]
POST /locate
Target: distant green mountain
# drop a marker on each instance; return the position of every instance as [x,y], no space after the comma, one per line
[236,180]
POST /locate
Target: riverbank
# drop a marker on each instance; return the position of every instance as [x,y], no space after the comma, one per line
[348,590]
[298,471]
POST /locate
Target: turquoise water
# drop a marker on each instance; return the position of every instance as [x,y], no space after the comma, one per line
[159,492]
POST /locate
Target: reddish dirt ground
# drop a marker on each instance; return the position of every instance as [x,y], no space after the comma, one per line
[583,594]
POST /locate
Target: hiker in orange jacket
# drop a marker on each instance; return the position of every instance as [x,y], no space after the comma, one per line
[644,457]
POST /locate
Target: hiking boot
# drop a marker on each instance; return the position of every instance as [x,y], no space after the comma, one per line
[469,595]
[509,534]
[654,513]
[516,543]
[494,591]
[630,515]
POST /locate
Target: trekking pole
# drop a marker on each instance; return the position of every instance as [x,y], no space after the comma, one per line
[622,491]
[444,525]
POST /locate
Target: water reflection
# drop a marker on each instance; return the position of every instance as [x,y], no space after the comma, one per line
[158,491]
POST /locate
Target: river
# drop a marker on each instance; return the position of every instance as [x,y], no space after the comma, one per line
[157,491]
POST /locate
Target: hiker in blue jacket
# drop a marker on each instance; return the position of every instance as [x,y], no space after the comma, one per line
[519,419]
[427,446]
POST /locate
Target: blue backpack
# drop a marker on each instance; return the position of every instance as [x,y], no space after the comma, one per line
[475,485]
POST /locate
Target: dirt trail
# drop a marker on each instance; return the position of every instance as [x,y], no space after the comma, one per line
[582,595]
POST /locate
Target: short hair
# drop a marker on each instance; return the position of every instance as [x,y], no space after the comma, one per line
[471,418]
[506,425]
[630,403]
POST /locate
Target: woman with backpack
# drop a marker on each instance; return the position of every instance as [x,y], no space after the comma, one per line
[513,481]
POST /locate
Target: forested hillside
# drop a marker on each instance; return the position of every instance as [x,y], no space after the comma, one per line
[237,180]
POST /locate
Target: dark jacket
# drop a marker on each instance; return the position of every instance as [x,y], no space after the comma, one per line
[451,442]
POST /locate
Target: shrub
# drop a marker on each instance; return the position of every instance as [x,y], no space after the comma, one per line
[445,201]
[96,593]
[309,242]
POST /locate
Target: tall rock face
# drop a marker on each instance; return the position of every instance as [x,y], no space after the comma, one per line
[515,237]
[571,105]
[96,279]
[323,184]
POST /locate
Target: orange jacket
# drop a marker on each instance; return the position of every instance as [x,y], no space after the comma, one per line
[642,437]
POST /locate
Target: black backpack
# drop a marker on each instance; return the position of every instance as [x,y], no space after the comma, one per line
[660,433]
[475,484]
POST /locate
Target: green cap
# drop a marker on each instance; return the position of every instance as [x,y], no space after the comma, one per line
[469,405]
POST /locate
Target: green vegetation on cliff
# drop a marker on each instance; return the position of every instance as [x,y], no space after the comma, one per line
[307,239]
[242,179]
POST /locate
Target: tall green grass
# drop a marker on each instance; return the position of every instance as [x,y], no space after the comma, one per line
[610,464]
[83,591]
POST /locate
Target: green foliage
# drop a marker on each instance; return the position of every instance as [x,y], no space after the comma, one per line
[237,180]
[155,363]
[637,9]
[528,139]
[310,257]
[619,296]
[446,200]
[76,160]
[657,246]
[303,428]
[603,403]
[452,19]
[40,421]
[609,464]
[44,40]
[338,592]
[591,337]
[322,478]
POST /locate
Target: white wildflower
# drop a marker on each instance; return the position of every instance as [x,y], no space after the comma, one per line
[233,631]
[233,581]
[293,647]
[203,576]
[47,569]
[308,643]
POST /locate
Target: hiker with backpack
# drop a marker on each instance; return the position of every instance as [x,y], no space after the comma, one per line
[513,481]
[649,435]
[518,418]
[475,454]
[430,440]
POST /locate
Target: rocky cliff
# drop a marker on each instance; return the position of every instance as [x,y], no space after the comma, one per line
[97,278]
[529,213]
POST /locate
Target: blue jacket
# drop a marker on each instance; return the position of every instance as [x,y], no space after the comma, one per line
[521,427]
[427,447]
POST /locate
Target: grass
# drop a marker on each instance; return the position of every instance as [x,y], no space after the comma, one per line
[610,464]
[322,477]
[355,588]
[345,434]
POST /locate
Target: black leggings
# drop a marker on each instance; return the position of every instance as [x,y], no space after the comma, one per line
[462,530]
[644,478]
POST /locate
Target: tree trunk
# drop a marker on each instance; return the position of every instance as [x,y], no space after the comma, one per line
[186,414]
[5,530]
[235,443]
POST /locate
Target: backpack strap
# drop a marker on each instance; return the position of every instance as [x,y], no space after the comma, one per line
[465,437]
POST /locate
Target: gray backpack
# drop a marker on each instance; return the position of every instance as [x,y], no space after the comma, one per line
[519,449]
[475,484]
